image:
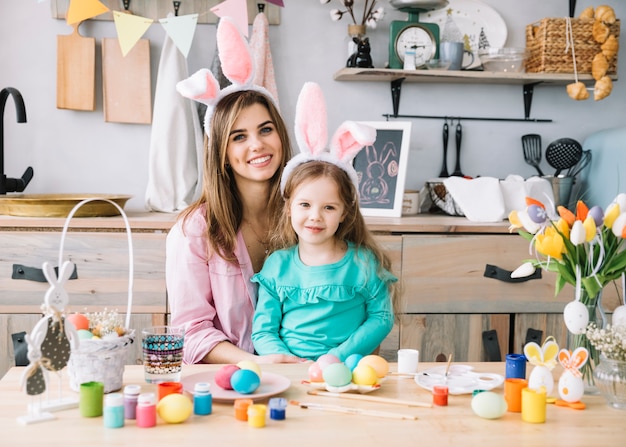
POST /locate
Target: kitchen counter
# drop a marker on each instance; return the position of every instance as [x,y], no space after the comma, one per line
[454,425]
[154,221]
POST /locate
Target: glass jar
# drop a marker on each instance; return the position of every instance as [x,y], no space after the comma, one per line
[610,379]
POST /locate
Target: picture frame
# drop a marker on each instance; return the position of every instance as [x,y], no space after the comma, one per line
[381,169]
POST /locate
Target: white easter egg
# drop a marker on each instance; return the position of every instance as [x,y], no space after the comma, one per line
[539,377]
[571,388]
[489,405]
[619,316]
[576,317]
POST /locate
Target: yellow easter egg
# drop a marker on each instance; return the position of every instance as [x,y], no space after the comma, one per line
[380,365]
[252,366]
[364,375]
[174,408]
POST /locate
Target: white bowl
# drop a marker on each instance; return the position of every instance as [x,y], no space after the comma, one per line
[507,60]
[438,64]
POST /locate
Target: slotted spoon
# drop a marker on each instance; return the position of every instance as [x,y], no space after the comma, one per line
[532,151]
[563,154]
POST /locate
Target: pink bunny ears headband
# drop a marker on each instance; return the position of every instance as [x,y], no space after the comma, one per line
[237,66]
[312,136]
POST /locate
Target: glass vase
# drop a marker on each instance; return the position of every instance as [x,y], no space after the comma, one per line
[597,316]
[610,379]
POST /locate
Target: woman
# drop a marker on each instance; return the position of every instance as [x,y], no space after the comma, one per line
[221,240]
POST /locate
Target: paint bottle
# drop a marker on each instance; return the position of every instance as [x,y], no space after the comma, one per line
[146,410]
[202,399]
[114,410]
[131,393]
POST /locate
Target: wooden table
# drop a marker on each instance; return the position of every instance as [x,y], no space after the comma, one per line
[455,425]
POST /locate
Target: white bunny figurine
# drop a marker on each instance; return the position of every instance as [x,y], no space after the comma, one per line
[571,387]
[544,360]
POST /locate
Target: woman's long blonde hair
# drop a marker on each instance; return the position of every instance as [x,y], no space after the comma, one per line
[352,229]
[224,211]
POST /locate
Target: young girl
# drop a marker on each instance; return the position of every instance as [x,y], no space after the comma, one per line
[330,290]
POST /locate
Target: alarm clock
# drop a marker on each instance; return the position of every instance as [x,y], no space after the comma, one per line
[412,34]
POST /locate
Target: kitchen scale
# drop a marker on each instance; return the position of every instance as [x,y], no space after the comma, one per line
[413,34]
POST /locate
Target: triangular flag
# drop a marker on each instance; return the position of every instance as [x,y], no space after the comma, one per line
[129,28]
[237,10]
[277,2]
[80,10]
[181,30]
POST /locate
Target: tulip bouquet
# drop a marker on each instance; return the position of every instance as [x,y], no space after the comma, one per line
[586,249]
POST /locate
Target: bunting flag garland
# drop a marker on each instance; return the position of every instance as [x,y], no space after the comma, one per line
[80,10]
[130,28]
[278,3]
[237,10]
[181,30]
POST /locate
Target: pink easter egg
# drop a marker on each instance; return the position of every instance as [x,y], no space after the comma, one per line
[327,359]
[223,375]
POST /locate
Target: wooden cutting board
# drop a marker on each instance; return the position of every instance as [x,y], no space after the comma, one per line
[126,83]
[76,71]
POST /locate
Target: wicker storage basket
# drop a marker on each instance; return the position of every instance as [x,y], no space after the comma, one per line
[102,360]
[547,41]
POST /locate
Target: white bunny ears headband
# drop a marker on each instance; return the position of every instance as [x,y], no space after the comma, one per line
[237,66]
[312,136]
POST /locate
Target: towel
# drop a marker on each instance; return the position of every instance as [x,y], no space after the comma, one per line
[262,56]
[176,141]
[480,199]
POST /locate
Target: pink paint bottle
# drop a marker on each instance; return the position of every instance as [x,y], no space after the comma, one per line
[146,410]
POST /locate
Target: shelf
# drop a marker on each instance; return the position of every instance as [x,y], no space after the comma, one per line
[396,77]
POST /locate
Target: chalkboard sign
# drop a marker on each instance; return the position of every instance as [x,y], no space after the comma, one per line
[381,169]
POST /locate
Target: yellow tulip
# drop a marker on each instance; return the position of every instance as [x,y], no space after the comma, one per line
[514,221]
[611,214]
[563,227]
[590,228]
[550,244]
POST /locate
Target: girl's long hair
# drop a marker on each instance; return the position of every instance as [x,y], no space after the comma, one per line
[224,210]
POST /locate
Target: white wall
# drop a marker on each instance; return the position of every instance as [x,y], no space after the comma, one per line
[76,152]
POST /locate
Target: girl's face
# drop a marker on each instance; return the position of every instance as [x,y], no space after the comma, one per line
[316,210]
[254,149]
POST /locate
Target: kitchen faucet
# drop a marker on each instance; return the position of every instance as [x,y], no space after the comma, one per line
[12,184]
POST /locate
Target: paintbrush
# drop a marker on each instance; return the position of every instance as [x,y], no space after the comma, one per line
[448,366]
[351,410]
[383,400]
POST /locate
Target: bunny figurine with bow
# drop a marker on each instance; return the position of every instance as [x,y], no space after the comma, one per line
[543,358]
[571,386]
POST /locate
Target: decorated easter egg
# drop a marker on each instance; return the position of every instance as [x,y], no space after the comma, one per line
[326,359]
[79,321]
[245,381]
[315,373]
[619,316]
[489,405]
[252,366]
[380,365]
[223,375]
[352,360]
[337,374]
[174,408]
[596,214]
[364,375]
[576,317]
[541,377]
[84,334]
[537,213]
[571,388]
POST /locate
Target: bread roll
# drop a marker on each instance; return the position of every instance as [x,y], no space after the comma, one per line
[610,47]
[577,91]
[587,13]
[599,66]
[603,88]
[600,31]
[605,14]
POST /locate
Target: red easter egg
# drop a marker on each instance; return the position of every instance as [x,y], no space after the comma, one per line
[327,359]
[79,321]
[223,375]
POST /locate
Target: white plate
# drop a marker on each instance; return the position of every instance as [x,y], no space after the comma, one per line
[461,379]
[362,389]
[271,384]
[471,17]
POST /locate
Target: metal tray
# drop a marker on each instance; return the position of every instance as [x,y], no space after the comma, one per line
[60,205]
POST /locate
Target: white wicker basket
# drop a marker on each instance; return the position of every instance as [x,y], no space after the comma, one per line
[102,360]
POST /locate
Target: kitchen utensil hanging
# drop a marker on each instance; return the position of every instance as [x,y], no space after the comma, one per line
[444,168]
[531,144]
[459,134]
[563,154]
[76,71]
[582,164]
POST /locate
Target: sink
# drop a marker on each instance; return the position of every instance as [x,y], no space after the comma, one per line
[60,205]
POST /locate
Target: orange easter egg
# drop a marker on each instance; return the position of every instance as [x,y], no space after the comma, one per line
[79,321]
